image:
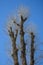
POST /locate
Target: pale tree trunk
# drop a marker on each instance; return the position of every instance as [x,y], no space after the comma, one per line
[15,50]
[23,46]
[32,49]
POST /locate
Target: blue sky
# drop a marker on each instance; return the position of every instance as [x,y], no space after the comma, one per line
[7,7]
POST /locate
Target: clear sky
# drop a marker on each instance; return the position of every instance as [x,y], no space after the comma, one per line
[7,7]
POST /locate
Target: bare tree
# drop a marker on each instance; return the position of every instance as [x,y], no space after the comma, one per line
[13,33]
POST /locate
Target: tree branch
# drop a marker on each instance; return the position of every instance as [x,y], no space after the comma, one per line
[15,50]
[23,46]
[32,49]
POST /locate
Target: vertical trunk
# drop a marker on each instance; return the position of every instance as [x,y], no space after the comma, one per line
[23,46]
[15,50]
[32,49]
